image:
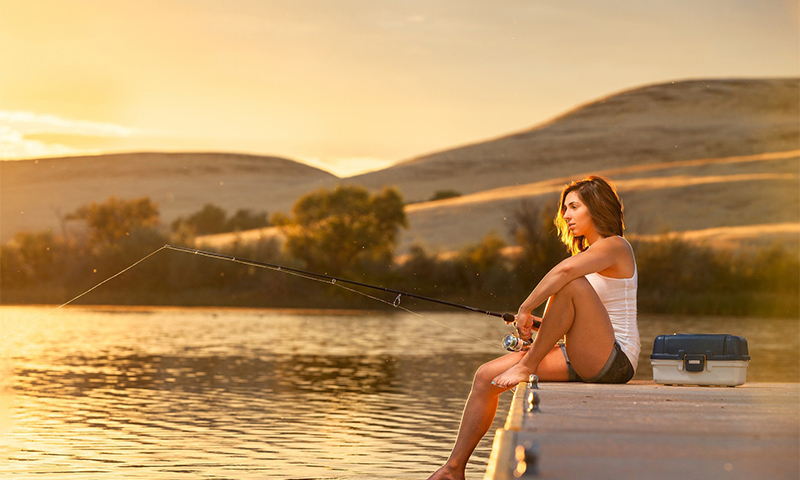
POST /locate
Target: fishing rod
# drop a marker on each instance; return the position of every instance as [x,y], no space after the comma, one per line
[512,344]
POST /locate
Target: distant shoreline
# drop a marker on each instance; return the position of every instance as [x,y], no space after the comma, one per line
[336,312]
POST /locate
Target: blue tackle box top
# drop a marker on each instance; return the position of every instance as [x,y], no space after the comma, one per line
[719,347]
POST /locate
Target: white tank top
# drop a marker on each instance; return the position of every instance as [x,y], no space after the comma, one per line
[619,297]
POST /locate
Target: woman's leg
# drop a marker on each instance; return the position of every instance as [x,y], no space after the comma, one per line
[577,312]
[482,403]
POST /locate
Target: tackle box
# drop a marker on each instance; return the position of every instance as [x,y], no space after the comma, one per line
[700,359]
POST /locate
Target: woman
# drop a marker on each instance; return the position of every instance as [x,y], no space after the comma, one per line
[591,299]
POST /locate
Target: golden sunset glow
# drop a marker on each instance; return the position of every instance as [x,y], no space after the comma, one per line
[348,86]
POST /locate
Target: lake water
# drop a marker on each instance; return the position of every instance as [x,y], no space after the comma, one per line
[213,393]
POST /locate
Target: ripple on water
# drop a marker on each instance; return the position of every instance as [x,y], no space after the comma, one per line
[182,394]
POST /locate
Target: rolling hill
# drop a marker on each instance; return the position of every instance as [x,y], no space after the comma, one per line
[34,194]
[648,125]
[718,159]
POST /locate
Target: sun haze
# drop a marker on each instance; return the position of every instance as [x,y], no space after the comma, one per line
[349,86]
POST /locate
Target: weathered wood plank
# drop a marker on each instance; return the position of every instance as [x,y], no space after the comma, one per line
[644,430]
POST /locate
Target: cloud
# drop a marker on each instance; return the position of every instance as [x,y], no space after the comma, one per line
[16,128]
[13,146]
[30,122]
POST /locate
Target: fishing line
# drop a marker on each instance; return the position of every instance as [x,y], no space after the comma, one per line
[511,342]
[82,294]
[328,280]
[396,304]
[507,317]
[338,282]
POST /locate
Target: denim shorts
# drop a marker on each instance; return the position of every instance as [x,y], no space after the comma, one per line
[618,368]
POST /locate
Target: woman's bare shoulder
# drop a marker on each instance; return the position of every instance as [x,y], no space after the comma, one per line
[614,242]
[624,265]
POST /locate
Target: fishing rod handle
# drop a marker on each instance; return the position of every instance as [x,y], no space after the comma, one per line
[510,318]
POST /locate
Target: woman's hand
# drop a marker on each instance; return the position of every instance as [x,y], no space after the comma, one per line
[524,324]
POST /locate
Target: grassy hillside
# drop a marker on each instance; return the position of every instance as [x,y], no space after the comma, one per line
[715,158]
[723,201]
[34,193]
[649,125]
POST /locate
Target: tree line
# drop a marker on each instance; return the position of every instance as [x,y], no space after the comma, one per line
[353,233]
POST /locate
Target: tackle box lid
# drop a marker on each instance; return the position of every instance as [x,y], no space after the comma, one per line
[720,347]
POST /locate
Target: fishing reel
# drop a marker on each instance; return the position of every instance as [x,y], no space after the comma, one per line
[513,343]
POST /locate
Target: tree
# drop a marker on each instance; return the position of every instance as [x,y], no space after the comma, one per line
[213,219]
[116,218]
[486,255]
[540,247]
[244,219]
[444,194]
[332,231]
[30,257]
[210,219]
[483,268]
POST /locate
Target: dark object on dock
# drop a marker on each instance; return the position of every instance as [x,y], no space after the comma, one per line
[516,452]
[700,359]
[532,395]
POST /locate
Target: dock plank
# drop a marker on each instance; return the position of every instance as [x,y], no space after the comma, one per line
[645,430]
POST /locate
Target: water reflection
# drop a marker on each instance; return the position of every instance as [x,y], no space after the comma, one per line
[252,394]
[232,395]
[284,374]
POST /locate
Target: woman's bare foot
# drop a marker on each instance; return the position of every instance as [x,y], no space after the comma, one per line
[513,376]
[446,473]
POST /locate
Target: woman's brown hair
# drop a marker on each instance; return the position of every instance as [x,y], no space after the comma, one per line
[605,207]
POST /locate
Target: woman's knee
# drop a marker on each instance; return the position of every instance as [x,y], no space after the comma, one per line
[489,370]
[578,286]
[484,375]
[578,290]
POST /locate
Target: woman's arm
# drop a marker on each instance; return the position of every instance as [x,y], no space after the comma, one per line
[603,254]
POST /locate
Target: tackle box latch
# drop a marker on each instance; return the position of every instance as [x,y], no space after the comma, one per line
[694,362]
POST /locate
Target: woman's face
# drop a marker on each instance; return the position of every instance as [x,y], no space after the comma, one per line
[576,214]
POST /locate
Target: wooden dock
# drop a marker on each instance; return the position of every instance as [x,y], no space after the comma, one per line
[645,430]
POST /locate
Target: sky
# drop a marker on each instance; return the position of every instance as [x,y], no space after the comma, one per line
[351,85]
